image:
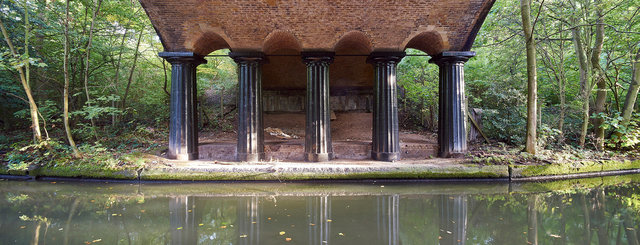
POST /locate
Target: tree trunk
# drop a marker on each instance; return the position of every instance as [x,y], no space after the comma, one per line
[532,94]
[222,104]
[86,63]
[33,108]
[133,68]
[598,77]
[166,80]
[65,115]
[562,84]
[584,83]
[117,74]
[632,93]
[562,94]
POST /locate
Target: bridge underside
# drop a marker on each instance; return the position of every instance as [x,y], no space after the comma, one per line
[288,47]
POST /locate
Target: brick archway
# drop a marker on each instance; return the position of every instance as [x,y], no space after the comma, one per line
[382,30]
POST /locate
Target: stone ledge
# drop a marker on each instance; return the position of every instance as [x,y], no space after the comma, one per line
[435,169]
[281,172]
[568,171]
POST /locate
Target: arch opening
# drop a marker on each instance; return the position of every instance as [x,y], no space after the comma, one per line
[209,42]
[430,42]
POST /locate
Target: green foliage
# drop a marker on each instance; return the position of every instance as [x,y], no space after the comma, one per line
[49,111]
[418,96]
[505,125]
[548,136]
[98,108]
[54,154]
[40,154]
[623,136]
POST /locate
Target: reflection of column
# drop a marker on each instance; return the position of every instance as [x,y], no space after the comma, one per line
[385,139]
[250,124]
[183,126]
[248,221]
[452,124]
[453,220]
[388,219]
[319,216]
[182,220]
[317,145]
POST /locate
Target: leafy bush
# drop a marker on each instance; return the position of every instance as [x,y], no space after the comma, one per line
[548,136]
[506,125]
[623,136]
[40,154]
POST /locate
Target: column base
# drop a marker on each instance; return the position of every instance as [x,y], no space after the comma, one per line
[386,156]
[318,157]
[452,154]
[184,156]
[250,157]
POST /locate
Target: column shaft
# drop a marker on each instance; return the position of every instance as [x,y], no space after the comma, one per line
[250,123]
[183,127]
[385,139]
[318,114]
[452,124]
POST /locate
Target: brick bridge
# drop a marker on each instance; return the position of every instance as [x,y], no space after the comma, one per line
[289,45]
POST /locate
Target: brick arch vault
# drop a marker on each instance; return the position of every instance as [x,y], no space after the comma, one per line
[318,34]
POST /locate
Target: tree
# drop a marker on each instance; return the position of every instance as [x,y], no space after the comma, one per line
[632,93]
[532,76]
[133,68]
[86,62]
[24,62]
[554,54]
[65,116]
[598,77]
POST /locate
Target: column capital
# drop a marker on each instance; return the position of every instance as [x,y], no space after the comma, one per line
[182,57]
[452,57]
[385,57]
[248,57]
[318,56]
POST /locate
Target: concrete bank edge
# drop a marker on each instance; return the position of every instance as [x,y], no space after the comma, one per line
[514,173]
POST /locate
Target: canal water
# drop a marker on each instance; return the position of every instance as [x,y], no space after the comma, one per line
[589,211]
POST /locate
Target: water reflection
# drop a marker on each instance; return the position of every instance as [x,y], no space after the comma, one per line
[85,213]
[388,219]
[248,221]
[182,217]
[453,219]
[319,216]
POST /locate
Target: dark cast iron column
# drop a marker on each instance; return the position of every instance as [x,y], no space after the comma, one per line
[183,127]
[452,123]
[250,123]
[317,145]
[385,145]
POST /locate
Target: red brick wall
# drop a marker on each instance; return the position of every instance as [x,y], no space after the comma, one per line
[202,26]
